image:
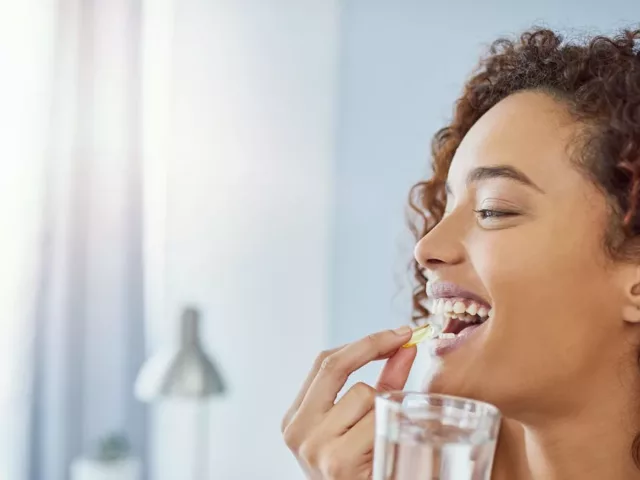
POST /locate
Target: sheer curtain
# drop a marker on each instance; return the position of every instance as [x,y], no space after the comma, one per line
[25,60]
[133,180]
[71,283]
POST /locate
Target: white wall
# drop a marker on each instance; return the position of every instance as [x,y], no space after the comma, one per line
[249,197]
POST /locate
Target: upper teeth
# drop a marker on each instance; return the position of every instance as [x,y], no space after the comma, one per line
[463,309]
[429,290]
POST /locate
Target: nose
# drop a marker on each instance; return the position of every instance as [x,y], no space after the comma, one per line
[441,246]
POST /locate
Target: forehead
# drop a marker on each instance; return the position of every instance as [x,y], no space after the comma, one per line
[530,131]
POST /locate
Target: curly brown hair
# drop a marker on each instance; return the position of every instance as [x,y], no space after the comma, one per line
[599,82]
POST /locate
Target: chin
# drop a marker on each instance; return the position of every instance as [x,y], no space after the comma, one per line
[460,382]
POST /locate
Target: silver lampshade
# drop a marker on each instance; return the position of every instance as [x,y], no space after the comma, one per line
[185,373]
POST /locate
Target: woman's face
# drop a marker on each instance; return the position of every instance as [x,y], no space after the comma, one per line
[536,256]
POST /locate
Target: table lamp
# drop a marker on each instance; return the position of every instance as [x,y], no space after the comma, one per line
[186,378]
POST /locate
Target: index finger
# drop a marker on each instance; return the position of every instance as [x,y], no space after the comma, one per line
[336,368]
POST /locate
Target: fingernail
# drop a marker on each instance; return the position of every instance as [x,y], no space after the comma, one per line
[403,330]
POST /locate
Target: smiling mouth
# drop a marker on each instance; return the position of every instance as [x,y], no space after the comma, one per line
[459,314]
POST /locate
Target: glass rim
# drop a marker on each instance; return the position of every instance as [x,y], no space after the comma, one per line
[487,408]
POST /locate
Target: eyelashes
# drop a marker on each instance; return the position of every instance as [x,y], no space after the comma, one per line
[490,218]
[488,213]
[496,217]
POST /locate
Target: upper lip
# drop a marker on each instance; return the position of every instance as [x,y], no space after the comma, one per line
[451,290]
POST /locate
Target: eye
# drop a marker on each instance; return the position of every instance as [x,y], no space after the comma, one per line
[487,213]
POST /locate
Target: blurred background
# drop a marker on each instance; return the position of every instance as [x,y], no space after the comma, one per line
[249,159]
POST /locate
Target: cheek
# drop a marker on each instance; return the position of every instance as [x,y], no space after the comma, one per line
[552,297]
[541,275]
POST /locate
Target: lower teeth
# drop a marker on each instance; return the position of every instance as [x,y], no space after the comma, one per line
[447,335]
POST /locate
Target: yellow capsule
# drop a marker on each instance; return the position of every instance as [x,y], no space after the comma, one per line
[420,334]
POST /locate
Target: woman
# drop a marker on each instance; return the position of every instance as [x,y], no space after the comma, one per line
[532,212]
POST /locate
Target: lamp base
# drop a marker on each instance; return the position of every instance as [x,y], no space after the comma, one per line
[88,469]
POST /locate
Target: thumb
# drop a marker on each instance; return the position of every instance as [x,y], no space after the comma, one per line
[396,371]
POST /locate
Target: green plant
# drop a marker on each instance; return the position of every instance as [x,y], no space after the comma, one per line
[113,447]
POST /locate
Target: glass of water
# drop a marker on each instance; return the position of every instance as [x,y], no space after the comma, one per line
[421,436]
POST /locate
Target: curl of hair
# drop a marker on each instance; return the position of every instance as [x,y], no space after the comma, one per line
[599,83]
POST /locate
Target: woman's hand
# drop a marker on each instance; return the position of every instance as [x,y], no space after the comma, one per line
[334,440]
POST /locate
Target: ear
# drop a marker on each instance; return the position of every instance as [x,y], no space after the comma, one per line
[631,307]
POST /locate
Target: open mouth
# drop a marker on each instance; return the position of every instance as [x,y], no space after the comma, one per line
[459,314]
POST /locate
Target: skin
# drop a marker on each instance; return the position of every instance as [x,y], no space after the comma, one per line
[559,355]
[335,441]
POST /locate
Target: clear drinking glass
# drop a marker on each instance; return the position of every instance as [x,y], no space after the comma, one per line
[421,436]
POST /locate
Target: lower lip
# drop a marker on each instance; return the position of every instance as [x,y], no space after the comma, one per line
[442,346]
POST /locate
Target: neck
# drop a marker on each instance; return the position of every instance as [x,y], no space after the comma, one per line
[592,441]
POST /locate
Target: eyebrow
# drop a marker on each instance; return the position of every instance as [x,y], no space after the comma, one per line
[499,171]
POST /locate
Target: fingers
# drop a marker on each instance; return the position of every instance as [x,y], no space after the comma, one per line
[350,409]
[348,456]
[353,416]
[396,371]
[335,439]
[336,368]
[307,425]
[305,386]
[361,437]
